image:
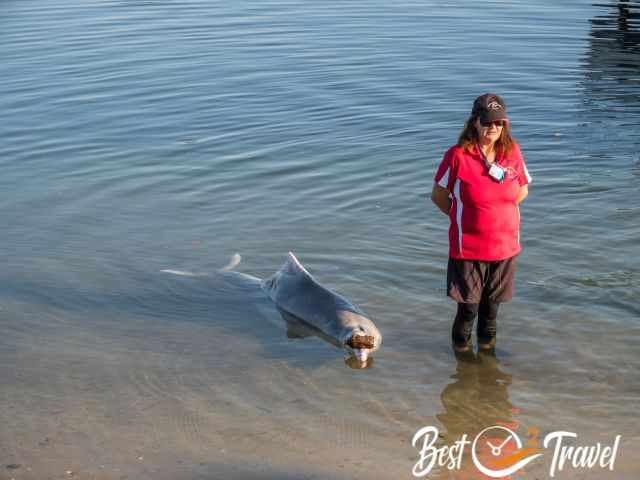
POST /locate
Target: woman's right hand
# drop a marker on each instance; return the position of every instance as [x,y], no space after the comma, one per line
[440,196]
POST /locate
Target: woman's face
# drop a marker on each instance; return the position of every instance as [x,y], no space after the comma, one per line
[491,133]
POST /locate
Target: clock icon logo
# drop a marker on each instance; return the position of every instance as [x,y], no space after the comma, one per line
[497,452]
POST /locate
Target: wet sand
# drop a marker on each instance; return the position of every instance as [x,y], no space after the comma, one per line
[145,399]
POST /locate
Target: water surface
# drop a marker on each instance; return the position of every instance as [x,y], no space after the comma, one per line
[141,136]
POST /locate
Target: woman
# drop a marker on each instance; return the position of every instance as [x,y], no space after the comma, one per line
[479,184]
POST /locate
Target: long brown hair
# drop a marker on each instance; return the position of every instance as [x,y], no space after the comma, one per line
[469,136]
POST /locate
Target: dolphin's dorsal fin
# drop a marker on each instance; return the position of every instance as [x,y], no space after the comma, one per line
[293,265]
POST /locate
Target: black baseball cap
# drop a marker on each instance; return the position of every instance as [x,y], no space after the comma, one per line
[490,108]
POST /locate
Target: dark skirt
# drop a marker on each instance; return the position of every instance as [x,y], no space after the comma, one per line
[468,281]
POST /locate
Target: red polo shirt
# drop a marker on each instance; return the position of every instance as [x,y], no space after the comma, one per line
[485,219]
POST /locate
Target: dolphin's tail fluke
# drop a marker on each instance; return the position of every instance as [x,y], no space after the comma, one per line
[183,273]
[234,261]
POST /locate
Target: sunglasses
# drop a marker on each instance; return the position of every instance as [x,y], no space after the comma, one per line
[497,123]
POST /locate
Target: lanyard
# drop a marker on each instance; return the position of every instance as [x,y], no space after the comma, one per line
[486,162]
[494,169]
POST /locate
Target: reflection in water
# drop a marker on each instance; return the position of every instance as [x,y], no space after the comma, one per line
[608,129]
[298,329]
[477,398]
[613,59]
[620,26]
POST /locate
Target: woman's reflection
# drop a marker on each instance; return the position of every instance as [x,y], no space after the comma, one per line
[477,398]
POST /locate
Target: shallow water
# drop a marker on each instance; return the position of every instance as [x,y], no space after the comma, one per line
[142,136]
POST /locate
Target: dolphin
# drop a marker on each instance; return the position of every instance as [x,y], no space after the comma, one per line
[308,308]
[294,291]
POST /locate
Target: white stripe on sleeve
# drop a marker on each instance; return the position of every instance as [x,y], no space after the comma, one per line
[526,173]
[456,193]
[444,181]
